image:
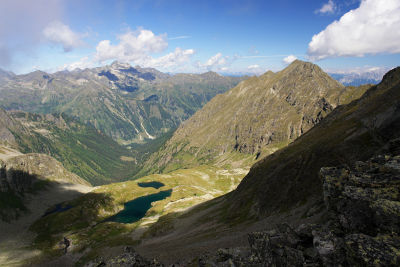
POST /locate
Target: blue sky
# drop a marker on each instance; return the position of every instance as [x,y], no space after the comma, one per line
[226,36]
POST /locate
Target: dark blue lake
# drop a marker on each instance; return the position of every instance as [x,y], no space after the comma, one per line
[135,210]
[153,184]
[57,208]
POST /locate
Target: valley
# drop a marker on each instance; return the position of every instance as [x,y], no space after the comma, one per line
[250,161]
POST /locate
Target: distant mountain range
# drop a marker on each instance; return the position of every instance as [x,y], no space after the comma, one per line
[359,77]
[283,127]
[131,105]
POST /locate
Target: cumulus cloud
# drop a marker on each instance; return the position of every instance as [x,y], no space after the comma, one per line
[83,63]
[329,7]
[289,59]
[169,61]
[253,67]
[136,47]
[372,28]
[216,62]
[59,33]
[132,46]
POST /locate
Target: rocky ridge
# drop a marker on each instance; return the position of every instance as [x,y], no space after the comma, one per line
[258,116]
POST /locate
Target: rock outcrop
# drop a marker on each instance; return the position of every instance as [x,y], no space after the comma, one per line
[362,229]
[127,259]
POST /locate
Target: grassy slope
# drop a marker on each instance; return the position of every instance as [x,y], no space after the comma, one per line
[190,187]
[81,148]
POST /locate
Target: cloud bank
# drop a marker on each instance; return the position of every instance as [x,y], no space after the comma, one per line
[372,28]
[136,47]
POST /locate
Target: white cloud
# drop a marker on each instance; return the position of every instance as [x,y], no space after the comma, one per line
[253,67]
[179,37]
[83,63]
[218,59]
[59,33]
[329,7]
[289,59]
[216,62]
[136,47]
[372,28]
[169,61]
[132,46]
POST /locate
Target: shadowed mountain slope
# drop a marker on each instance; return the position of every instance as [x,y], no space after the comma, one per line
[289,177]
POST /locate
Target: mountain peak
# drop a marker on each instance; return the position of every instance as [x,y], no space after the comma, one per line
[120,65]
[392,75]
[302,64]
[210,74]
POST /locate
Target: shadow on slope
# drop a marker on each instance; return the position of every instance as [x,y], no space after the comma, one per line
[289,177]
[287,183]
[21,208]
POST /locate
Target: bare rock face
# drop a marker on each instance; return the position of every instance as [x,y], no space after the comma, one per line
[127,259]
[362,229]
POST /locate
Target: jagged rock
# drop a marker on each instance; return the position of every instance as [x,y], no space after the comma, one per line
[366,199]
[362,228]
[364,250]
[127,259]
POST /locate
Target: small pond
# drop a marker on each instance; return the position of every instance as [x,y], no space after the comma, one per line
[153,184]
[135,210]
[57,208]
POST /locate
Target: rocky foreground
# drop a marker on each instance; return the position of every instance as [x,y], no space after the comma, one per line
[361,228]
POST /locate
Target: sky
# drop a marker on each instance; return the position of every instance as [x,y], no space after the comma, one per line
[226,36]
